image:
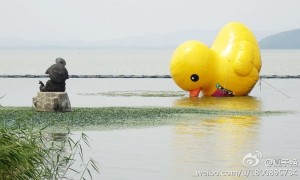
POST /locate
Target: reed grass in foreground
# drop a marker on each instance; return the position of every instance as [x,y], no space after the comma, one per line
[1,98]
[25,153]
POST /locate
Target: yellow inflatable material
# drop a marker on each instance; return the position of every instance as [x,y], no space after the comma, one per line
[229,68]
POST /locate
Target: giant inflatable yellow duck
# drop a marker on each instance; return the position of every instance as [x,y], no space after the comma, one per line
[229,68]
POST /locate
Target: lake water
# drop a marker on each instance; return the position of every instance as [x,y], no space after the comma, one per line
[184,150]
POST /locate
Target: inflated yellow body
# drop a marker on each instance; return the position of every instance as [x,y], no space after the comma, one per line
[229,68]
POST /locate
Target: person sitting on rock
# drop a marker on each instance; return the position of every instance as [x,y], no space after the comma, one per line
[58,75]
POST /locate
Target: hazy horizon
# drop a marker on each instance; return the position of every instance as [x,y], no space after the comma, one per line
[90,21]
[166,40]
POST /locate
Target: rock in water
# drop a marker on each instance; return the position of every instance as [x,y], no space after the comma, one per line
[52,101]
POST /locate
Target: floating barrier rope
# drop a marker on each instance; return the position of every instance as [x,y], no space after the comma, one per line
[138,76]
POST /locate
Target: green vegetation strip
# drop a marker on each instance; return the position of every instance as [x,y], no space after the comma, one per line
[114,117]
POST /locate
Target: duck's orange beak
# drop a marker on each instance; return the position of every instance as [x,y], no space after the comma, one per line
[195,92]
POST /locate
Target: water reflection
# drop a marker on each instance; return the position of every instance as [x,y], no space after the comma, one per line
[216,142]
[57,136]
[227,103]
[57,140]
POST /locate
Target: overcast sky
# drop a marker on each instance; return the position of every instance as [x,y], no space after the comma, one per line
[92,20]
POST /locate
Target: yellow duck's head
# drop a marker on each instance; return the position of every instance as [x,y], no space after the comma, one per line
[191,66]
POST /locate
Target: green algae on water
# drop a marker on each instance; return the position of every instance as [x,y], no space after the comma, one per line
[116,117]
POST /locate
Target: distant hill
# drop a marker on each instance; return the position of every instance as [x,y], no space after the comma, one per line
[163,40]
[283,40]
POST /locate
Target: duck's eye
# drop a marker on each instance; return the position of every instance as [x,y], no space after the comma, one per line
[194,77]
